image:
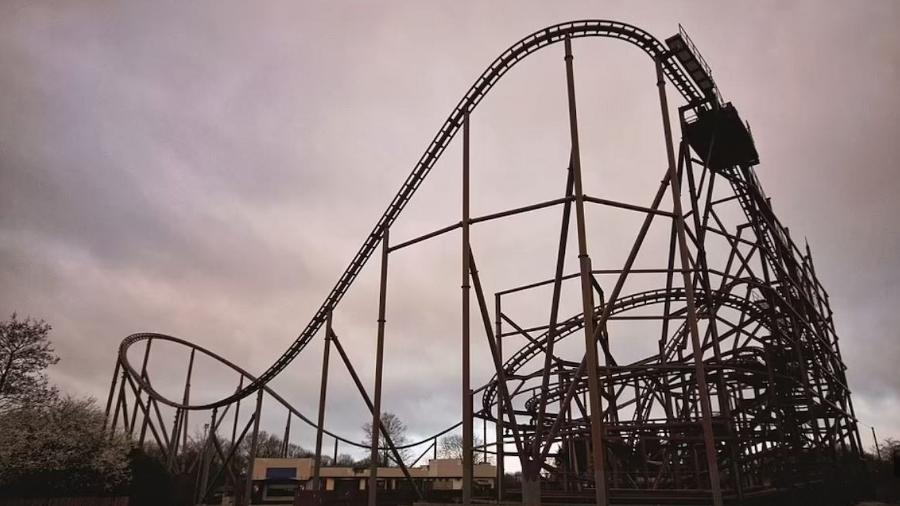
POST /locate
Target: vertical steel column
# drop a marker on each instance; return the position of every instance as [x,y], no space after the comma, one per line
[187,398]
[145,410]
[321,418]
[112,390]
[173,445]
[254,440]
[484,443]
[145,422]
[119,402]
[207,457]
[466,380]
[237,411]
[699,370]
[138,392]
[498,331]
[379,359]
[877,448]
[125,408]
[587,297]
[285,443]
[712,329]
[334,459]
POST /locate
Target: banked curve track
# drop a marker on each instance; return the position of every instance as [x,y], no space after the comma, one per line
[147,336]
[500,66]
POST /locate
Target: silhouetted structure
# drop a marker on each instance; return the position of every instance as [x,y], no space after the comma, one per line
[744,397]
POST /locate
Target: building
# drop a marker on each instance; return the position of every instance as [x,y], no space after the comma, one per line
[276,481]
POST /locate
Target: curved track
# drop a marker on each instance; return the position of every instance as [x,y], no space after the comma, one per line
[506,61]
[147,336]
[534,349]
[758,391]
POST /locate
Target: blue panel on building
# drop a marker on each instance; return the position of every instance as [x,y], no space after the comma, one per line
[281,472]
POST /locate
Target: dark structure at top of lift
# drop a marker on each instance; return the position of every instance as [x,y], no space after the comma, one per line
[717,133]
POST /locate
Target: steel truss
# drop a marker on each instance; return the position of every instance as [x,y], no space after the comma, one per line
[746,394]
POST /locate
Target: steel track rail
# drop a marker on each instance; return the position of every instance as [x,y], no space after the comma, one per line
[499,67]
[641,299]
[146,336]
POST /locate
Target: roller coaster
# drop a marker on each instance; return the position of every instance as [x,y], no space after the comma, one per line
[745,398]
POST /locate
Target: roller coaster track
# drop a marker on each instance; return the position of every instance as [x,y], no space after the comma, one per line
[147,336]
[499,67]
[780,390]
[534,348]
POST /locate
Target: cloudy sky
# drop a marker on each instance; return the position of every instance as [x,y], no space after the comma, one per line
[207,170]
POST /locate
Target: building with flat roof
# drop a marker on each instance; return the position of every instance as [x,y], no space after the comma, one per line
[276,480]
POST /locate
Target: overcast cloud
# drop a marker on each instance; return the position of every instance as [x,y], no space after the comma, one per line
[207,169]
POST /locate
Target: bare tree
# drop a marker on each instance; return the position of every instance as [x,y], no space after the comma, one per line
[345,460]
[451,447]
[272,446]
[25,352]
[396,429]
[884,448]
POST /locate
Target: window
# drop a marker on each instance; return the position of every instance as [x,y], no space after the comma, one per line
[281,472]
[281,490]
